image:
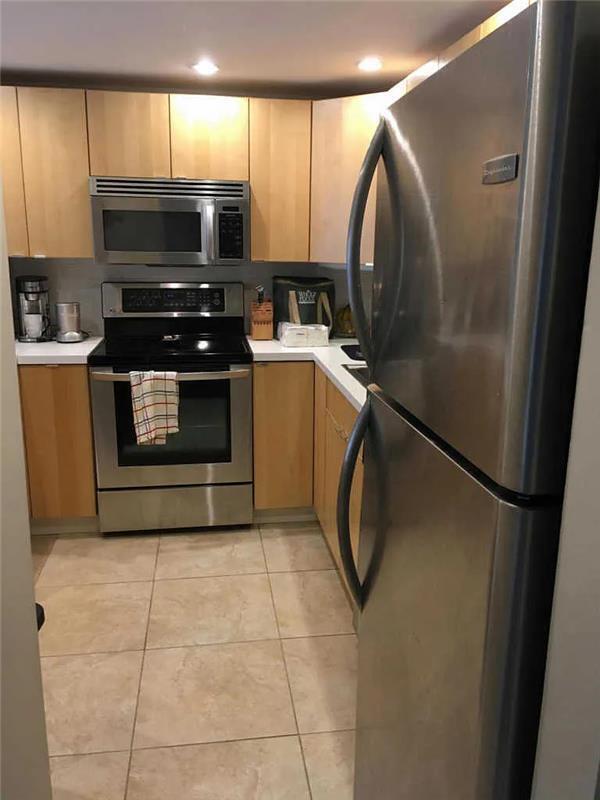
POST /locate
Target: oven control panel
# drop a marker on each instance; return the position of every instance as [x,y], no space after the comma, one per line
[159,300]
[172,299]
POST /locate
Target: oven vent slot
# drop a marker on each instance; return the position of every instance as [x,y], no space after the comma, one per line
[167,187]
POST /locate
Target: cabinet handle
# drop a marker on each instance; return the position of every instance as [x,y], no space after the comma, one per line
[39,255]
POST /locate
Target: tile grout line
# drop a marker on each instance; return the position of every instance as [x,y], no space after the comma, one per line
[205,743]
[199,644]
[287,676]
[137,699]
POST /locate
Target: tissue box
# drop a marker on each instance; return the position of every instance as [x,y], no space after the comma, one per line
[292,335]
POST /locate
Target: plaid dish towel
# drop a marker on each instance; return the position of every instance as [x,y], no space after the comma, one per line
[155,402]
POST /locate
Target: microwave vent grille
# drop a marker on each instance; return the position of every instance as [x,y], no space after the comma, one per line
[167,187]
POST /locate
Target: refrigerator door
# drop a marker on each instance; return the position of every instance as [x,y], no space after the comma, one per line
[477,306]
[456,594]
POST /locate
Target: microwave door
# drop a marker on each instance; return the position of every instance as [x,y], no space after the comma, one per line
[153,230]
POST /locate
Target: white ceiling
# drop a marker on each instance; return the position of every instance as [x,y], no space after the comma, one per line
[281,47]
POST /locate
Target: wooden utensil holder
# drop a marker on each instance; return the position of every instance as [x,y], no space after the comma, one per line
[261,321]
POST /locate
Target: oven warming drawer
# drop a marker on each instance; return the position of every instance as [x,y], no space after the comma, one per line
[174,507]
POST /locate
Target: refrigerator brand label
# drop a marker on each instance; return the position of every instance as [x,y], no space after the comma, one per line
[501,169]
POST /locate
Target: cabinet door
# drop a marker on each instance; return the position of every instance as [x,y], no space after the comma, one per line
[129,134]
[335,447]
[283,434]
[356,506]
[337,431]
[12,174]
[341,132]
[319,444]
[280,178]
[209,137]
[58,441]
[55,171]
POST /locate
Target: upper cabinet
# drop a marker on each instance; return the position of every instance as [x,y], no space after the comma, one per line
[55,171]
[12,174]
[209,137]
[129,134]
[52,140]
[342,130]
[280,135]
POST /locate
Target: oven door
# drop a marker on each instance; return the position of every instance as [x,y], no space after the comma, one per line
[214,443]
[153,230]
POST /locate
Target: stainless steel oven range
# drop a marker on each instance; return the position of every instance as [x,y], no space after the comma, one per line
[203,475]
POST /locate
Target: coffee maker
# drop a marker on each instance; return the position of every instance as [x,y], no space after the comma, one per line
[34,317]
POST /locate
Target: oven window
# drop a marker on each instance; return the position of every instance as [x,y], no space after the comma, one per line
[152,231]
[204,428]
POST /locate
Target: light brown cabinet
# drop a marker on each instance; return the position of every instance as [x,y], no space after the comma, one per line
[319,444]
[280,135]
[301,158]
[339,417]
[283,434]
[12,174]
[129,134]
[57,429]
[341,131]
[209,137]
[55,170]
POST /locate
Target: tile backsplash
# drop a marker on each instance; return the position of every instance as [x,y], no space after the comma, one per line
[80,280]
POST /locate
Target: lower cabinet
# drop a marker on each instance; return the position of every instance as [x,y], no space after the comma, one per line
[319,444]
[283,434]
[334,418]
[58,440]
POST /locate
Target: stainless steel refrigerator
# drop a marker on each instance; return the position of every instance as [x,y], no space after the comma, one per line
[487,179]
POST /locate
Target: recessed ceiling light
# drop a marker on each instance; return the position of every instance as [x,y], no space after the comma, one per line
[370,64]
[206,67]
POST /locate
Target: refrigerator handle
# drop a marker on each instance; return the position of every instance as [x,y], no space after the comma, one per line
[355,225]
[355,441]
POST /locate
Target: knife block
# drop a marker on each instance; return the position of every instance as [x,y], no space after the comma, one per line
[261,321]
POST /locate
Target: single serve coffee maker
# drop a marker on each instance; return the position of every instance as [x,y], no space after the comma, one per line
[34,317]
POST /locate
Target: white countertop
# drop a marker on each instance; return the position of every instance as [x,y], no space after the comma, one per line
[56,352]
[329,358]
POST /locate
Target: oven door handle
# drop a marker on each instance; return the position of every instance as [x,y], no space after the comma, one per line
[225,375]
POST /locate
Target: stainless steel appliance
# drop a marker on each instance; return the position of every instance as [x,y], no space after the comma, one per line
[68,323]
[485,208]
[34,317]
[170,221]
[203,474]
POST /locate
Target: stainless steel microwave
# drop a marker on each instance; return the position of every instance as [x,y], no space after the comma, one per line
[170,221]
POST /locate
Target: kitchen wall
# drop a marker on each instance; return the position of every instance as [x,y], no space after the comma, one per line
[80,279]
[569,742]
[24,763]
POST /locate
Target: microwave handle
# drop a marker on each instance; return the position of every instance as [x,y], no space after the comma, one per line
[210,232]
[224,375]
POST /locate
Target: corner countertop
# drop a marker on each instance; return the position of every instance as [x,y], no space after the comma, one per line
[330,359]
[56,352]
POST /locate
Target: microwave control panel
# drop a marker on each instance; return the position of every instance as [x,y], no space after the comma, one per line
[231,233]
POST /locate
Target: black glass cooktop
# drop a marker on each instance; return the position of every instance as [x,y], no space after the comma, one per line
[176,348]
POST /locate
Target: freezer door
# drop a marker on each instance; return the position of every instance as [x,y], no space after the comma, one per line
[456,591]
[480,277]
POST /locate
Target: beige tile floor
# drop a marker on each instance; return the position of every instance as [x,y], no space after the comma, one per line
[197,666]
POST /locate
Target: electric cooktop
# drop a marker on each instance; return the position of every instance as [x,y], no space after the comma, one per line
[164,350]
